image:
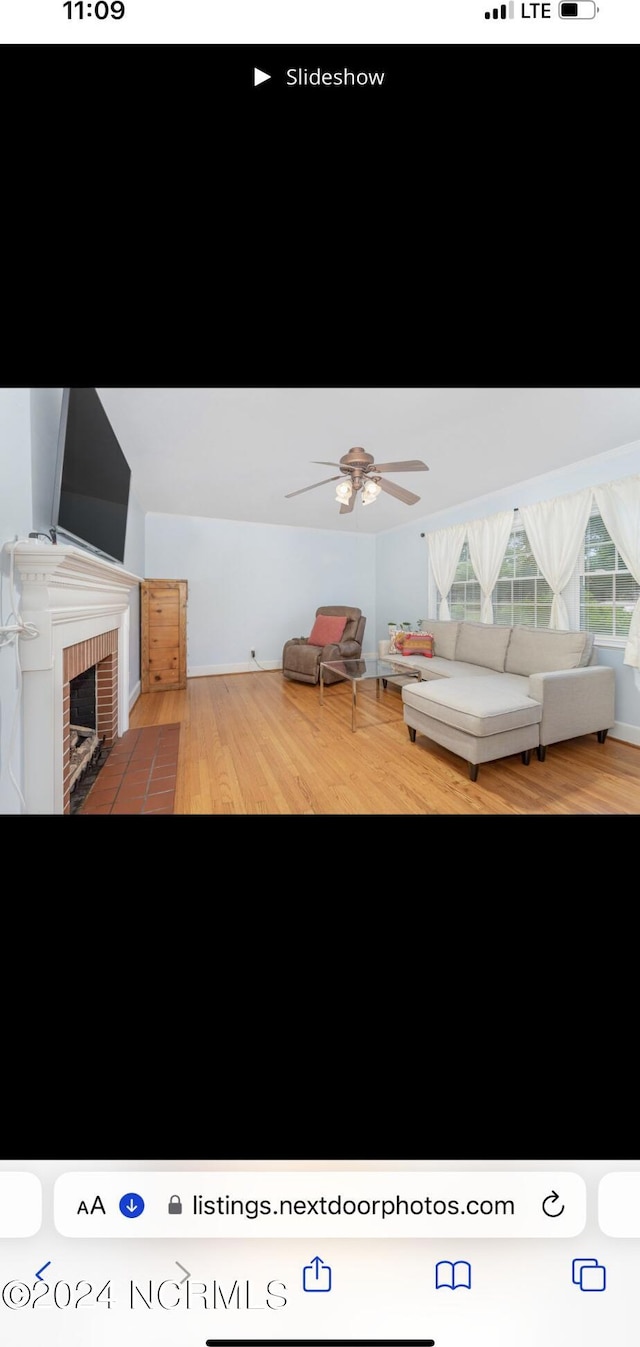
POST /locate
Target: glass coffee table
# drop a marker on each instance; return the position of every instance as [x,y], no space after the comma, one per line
[356,671]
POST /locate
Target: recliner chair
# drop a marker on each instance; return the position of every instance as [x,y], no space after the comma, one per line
[301,661]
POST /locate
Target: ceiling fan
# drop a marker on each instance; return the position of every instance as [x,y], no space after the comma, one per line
[360,471]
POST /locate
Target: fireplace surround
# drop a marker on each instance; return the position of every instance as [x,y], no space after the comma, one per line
[79,604]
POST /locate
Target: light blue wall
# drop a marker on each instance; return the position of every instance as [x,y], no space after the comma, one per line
[402,555]
[46,405]
[627,693]
[401,577]
[15,522]
[252,586]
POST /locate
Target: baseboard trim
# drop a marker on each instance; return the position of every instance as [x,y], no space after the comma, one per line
[210,670]
[629,733]
[134,694]
[250,666]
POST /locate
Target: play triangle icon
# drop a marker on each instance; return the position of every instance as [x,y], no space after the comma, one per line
[259,76]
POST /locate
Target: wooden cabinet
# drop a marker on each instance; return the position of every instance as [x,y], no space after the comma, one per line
[163,620]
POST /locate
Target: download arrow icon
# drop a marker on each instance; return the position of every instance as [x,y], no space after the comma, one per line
[131,1205]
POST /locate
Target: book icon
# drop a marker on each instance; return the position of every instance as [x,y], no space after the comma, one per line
[453,1275]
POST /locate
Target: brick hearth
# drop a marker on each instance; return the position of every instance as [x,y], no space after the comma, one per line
[139,776]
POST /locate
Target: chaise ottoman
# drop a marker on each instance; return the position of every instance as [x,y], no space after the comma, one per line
[481,719]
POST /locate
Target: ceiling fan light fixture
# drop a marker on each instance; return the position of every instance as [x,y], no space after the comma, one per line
[369,492]
[359,472]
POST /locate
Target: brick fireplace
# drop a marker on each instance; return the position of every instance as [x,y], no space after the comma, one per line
[79,604]
[99,653]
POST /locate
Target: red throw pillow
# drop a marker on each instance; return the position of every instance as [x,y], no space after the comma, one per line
[414,643]
[327,630]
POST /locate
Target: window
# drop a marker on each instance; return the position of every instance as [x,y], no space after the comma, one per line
[522,596]
[465,595]
[608,591]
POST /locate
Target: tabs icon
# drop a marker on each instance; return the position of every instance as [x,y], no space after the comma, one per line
[588,1274]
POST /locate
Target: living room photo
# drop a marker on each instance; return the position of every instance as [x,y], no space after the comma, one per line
[320,601]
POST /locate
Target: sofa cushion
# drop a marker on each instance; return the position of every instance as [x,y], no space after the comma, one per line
[445,636]
[479,706]
[436,667]
[538,650]
[453,668]
[483,643]
[519,683]
[589,639]
[327,630]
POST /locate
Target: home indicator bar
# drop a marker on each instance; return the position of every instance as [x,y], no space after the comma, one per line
[320,1342]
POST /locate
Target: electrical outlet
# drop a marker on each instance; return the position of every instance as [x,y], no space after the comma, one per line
[253,654]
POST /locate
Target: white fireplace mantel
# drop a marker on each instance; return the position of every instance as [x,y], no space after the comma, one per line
[69,596]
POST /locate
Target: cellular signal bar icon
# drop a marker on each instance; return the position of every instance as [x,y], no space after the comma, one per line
[500,13]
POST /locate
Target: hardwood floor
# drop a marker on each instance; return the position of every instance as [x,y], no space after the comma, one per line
[255,743]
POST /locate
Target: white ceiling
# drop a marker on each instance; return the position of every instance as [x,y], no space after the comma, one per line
[234,453]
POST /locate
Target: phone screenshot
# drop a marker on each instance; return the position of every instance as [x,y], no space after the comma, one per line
[319,1253]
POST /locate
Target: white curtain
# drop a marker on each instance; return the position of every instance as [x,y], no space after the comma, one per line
[445,546]
[619,505]
[488,540]
[555,529]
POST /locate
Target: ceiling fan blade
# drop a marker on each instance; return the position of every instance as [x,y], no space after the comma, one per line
[398,491]
[311,488]
[409,465]
[346,509]
[325,462]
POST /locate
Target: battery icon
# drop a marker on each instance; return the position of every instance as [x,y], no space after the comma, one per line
[577,9]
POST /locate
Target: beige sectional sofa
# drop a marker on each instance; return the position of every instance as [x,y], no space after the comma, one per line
[492,691]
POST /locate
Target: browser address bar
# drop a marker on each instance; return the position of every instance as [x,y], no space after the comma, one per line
[209,1204]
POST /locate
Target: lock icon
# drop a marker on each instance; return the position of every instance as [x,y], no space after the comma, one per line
[175,1206]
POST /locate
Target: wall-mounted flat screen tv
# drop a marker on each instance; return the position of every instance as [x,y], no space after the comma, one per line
[91,493]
